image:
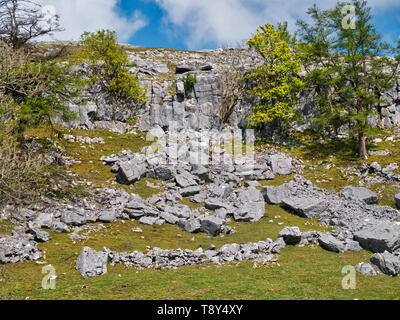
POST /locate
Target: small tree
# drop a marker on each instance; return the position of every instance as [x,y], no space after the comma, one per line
[108,67]
[33,92]
[276,82]
[232,88]
[24,20]
[347,66]
[189,81]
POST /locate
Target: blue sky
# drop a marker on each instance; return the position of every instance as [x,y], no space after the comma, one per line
[197,24]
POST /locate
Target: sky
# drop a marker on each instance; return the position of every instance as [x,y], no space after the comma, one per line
[197,24]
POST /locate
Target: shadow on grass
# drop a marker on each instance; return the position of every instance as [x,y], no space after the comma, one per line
[344,150]
[309,146]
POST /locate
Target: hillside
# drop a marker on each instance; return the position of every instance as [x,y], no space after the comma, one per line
[169,202]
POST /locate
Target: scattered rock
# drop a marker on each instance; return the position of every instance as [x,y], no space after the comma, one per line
[15,249]
[107,216]
[250,205]
[281,164]
[291,235]
[275,195]
[397,199]
[361,194]
[366,269]
[387,263]
[211,225]
[305,207]
[91,263]
[330,243]
[379,238]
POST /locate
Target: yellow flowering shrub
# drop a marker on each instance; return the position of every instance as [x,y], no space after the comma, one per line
[276,82]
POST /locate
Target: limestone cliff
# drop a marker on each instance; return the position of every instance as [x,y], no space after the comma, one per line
[162,73]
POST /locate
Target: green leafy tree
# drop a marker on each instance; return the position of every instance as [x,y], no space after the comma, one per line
[348,66]
[109,66]
[275,83]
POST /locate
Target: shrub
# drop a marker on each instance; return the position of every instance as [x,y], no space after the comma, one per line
[189,81]
[108,66]
[276,83]
[232,88]
[25,174]
[33,92]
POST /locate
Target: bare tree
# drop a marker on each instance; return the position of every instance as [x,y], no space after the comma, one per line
[24,20]
[232,88]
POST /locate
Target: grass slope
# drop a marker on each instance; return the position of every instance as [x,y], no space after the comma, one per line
[304,273]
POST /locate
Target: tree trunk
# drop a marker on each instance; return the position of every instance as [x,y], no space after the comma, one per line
[362,146]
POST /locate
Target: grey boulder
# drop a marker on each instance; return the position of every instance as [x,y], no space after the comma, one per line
[275,195]
[281,164]
[291,235]
[330,243]
[361,194]
[74,217]
[366,269]
[352,245]
[148,221]
[201,171]
[58,226]
[278,245]
[191,225]
[387,263]
[130,172]
[229,251]
[305,207]
[190,191]
[215,204]
[38,234]
[250,206]
[397,199]
[44,220]
[107,216]
[91,263]
[211,225]
[164,173]
[379,238]
[185,180]
[170,218]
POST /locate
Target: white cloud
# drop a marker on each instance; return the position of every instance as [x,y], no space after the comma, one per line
[231,21]
[77,16]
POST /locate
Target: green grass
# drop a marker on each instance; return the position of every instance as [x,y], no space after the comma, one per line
[6,227]
[89,166]
[304,273]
